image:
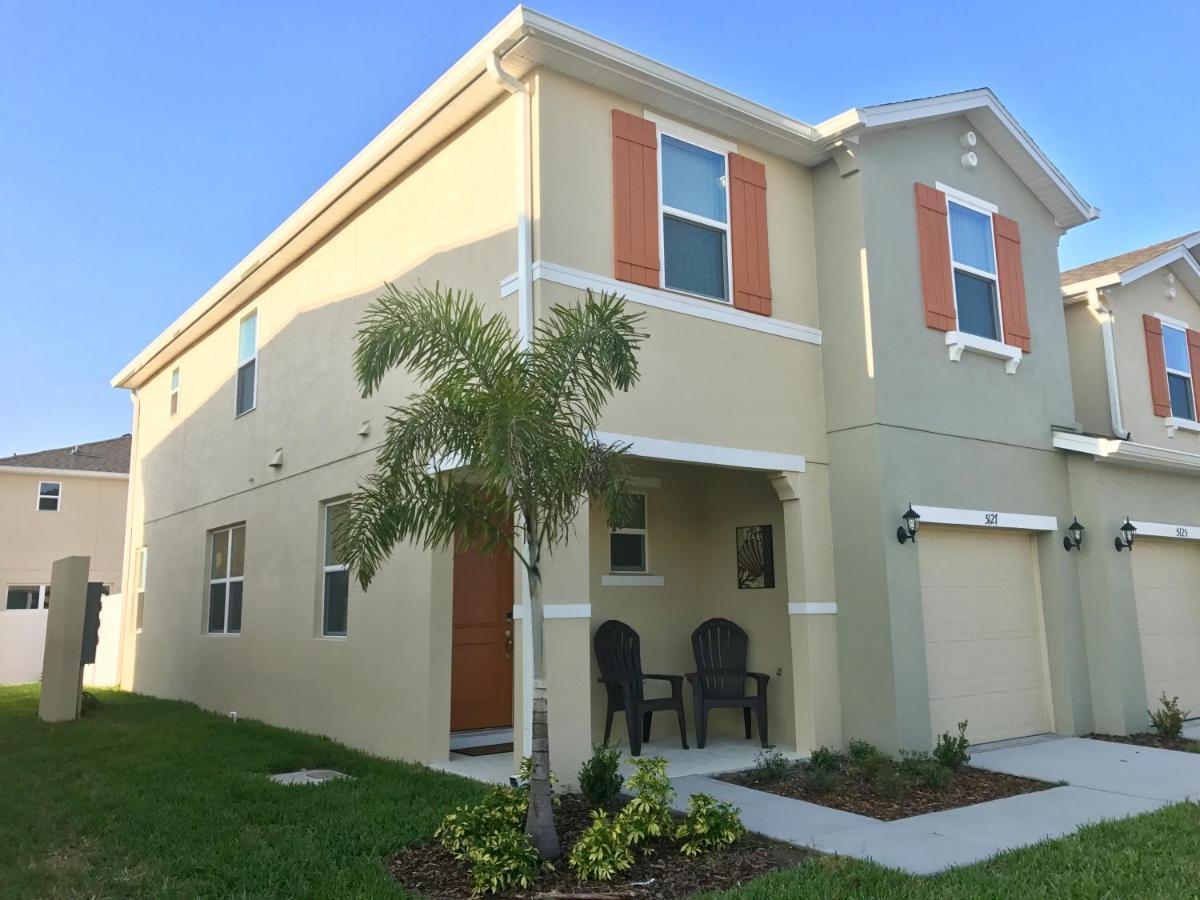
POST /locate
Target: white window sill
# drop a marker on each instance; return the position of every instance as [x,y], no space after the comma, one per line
[631,580]
[1175,425]
[958,341]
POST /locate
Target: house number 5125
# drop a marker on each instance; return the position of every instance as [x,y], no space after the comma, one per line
[1181,532]
[991,518]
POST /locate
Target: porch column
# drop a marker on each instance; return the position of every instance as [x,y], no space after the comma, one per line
[812,611]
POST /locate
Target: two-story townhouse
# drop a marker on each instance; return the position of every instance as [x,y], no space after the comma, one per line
[548,161]
[1134,336]
[69,501]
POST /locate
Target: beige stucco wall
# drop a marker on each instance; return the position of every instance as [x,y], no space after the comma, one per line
[1089,372]
[90,522]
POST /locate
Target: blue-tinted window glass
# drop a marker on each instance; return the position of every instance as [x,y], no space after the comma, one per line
[695,257]
[1176,348]
[248,337]
[1181,397]
[971,238]
[976,305]
[693,179]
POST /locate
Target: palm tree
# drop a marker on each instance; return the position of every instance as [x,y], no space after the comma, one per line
[498,450]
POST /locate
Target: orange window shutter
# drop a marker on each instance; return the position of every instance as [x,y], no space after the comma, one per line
[1193,338]
[748,235]
[1160,392]
[933,237]
[1012,282]
[635,199]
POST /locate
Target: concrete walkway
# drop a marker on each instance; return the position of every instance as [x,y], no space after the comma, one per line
[1104,781]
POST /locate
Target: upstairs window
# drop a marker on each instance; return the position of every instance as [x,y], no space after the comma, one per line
[335,576]
[627,543]
[226,568]
[695,219]
[49,496]
[1179,372]
[976,288]
[175,390]
[247,372]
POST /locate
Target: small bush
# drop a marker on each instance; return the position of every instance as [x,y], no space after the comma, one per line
[769,766]
[823,759]
[599,780]
[648,814]
[924,770]
[501,810]
[860,752]
[503,860]
[888,781]
[602,851]
[710,825]
[1168,718]
[824,781]
[952,752]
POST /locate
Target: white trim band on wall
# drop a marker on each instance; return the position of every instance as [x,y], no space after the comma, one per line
[558,611]
[812,609]
[985,518]
[1165,530]
[620,580]
[708,454]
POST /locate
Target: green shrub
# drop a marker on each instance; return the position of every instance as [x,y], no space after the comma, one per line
[888,781]
[824,781]
[769,766]
[952,752]
[648,814]
[602,851]
[710,825]
[599,780]
[501,810]
[860,752]
[824,759]
[1168,718]
[503,860]
[924,770]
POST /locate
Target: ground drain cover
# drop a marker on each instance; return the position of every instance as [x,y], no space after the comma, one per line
[308,776]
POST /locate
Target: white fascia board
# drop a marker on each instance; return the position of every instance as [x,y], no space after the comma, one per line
[1076,288]
[1167,530]
[63,473]
[705,454]
[1127,452]
[1178,258]
[985,518]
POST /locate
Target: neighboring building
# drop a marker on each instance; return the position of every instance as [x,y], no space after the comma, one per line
[844,319]
[1134,331]
[55,503]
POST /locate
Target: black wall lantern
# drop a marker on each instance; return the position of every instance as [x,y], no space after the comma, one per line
[908,531]
[1073,539]
[1124,540]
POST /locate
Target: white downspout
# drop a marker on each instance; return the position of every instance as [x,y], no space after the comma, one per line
[1106,317]
[525,335]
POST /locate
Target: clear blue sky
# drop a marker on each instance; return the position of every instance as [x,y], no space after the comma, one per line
[145,147]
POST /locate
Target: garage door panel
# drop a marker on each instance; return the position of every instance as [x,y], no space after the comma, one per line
[1166,577]
[983,640]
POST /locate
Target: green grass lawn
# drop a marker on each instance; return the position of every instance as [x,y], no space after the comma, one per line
[147,798]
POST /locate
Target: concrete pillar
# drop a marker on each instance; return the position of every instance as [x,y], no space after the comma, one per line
[61,667]
[812,608]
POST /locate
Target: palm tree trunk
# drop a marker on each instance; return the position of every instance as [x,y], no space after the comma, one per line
[539,821]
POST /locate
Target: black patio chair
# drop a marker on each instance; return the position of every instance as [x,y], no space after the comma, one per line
[618,650]
[719,682]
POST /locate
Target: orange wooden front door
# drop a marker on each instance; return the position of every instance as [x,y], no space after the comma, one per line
[481,674]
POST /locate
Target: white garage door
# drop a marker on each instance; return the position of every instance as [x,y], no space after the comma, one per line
[984,645]
[1166,577]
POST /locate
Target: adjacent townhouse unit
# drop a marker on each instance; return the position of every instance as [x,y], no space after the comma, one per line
[847,321]
[1133,325]
[54,503]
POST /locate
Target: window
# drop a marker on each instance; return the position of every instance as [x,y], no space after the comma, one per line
[28,596]
[140,584]
[175,390]
[1179,372]
[695,218]
[247,373]
[627,544]
[976,289]
[49,495]
[226,565]
[335,589]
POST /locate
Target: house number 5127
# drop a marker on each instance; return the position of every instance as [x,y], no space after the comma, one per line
[991,518]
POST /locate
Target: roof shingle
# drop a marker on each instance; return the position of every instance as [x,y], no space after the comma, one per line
[1122,262]
[111,455]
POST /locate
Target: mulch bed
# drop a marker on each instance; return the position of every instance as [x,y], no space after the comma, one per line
[1149,739]
[660,870]
[856,794]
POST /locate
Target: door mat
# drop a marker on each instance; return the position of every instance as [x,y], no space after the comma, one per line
[486,750]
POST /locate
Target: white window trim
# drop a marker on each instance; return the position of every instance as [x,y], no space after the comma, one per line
[713,145]
[644,531]
[631,579]
[37,505]
[41,601]
[987,209]
[139,593]
[1173,422]
[326,569]
[243,362]
[173,398]
[227,580]
[958,341]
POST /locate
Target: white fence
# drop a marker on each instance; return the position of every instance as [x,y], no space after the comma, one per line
[23,641]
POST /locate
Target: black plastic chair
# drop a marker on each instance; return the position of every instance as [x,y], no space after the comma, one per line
[618,650]
[719,682]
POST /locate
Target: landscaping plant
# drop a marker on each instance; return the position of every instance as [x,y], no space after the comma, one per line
[498,450]
[599,778]
[952,752]
[824,759]
[602,851]
[770,765]
[648,814]
[710,825]
[924,770]
[1168,719]
[503,860]
[501,810]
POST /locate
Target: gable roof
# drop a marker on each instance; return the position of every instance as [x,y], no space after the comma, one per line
[1123,262]
[523,41]
[110,456]
[1181,255]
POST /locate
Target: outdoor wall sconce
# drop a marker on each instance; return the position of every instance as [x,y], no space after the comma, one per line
[1073,539]
[1124,540]
[908,531]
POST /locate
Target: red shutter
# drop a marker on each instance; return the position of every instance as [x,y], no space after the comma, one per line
[1160,392]
[748,235]
[933,235]
[1194,356]
[635,199]
[1012,282]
